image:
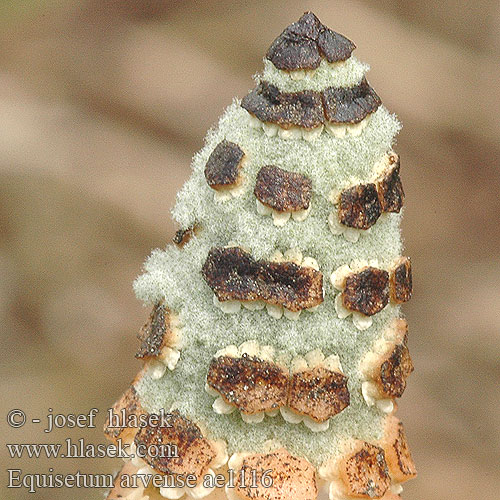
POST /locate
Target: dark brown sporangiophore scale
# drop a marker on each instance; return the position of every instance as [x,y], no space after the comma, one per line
[234,274]
[366,291]
[390,188]
[350,104]
[309,109]
[282,190]
[397,453]
[359,206]
[194,452]
[222,170]
[155,334]
[290,478]
[182,236]
[318,393]
[286,109]
[128,405]
[303,44]
[401,281]
[365,472]
[249,383]
[395,369]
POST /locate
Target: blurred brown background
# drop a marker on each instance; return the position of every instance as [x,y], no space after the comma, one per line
[103,103]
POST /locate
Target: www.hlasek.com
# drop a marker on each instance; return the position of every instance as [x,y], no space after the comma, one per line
[80,449]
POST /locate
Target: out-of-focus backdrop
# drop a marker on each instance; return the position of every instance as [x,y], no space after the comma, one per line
[103,103]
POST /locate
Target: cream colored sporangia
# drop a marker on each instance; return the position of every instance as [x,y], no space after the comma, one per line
[280,302]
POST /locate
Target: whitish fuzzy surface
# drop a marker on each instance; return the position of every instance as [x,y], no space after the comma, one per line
[175,275]
[343,74]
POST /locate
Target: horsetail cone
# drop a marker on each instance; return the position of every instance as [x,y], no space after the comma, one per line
[276,340]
